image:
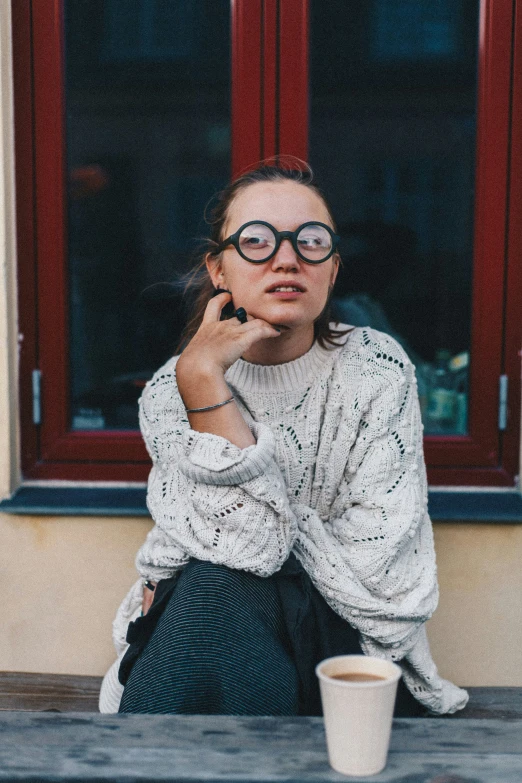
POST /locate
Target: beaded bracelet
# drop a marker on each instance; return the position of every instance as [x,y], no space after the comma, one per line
[209,408]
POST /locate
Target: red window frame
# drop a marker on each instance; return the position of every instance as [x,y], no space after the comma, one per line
[269,71]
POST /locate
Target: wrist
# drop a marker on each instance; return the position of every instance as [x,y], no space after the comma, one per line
[203,387]
[197,372]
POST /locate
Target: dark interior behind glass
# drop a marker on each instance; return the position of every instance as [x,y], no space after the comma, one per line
[148,144]
[392,140]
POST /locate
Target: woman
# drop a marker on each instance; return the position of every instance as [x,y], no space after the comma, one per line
[288,486]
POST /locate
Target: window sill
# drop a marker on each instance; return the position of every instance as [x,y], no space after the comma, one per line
[501,507]
[77,501]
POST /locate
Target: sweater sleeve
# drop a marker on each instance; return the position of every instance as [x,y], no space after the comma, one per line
[374,559]
[209,498]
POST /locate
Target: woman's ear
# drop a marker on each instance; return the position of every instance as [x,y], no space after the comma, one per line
[214,267]
[335,271]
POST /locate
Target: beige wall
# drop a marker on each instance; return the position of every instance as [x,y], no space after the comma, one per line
[476,632]
[61,578]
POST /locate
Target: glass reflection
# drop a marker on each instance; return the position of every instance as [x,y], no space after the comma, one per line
[392,141]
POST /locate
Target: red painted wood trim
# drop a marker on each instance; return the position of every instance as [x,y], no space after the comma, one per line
[474,458]
[513,337]
[23,117]
[482,447]
[490,219]
[57,442]
[89,471]
[247,46]
[293,84]
[271,82]
[48,449]
[473,477]
[490,214]
[50,219]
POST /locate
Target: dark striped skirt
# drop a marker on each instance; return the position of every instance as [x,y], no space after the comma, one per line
[221,641]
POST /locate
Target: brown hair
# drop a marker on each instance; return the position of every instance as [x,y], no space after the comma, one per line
[200,281]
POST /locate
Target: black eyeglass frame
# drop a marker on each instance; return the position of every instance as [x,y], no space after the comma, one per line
[233,239]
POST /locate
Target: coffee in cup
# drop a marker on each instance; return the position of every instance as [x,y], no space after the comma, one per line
[357,677]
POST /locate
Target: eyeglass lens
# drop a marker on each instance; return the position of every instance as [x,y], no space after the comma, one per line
[257,242]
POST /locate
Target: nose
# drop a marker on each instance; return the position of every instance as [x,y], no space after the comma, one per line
[286,257]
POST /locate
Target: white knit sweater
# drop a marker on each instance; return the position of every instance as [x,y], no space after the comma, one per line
[337,475]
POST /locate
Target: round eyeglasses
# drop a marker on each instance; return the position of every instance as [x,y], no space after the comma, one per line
[258,241]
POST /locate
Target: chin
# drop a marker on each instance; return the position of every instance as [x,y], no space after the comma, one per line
[288,323]
[282,315]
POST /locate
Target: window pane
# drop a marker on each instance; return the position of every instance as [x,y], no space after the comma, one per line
[148,143]
[393,126]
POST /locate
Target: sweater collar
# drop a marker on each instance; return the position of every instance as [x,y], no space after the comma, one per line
[288,376]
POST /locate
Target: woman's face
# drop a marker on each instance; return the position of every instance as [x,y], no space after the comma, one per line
[286,205]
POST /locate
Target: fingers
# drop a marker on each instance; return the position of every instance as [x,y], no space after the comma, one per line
[254,327]
[214,307]
[258,325]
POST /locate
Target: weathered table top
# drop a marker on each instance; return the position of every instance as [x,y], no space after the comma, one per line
[45,747]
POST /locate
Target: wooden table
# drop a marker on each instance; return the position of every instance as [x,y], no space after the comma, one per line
[38,747]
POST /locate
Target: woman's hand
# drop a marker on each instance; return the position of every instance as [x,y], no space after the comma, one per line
[148,596]
[218,344]
[200,371]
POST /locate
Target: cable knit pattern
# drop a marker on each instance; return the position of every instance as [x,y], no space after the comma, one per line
[337,475]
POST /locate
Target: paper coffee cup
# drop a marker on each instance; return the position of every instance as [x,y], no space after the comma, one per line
[358,714]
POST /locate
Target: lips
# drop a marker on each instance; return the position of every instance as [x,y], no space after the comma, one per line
[285,294]
[285,284]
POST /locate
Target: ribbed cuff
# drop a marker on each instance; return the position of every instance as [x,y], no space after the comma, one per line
[155,573]
[111,689]
[212,459]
